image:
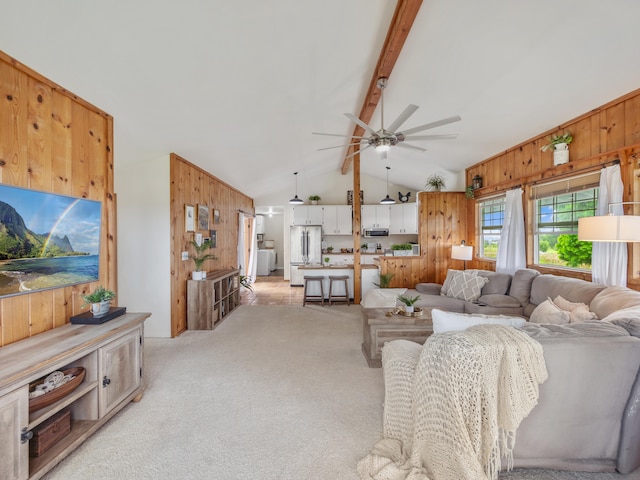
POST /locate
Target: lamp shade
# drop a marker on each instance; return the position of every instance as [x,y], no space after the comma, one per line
[609,228]
[296,201]
[461,252]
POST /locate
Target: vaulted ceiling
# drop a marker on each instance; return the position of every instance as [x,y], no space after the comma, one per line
[238,87]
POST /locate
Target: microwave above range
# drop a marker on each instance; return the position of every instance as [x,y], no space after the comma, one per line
[375,232]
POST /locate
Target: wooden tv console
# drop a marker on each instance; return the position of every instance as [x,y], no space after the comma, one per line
[111,354]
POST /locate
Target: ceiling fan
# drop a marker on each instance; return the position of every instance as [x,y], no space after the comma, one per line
[385,138]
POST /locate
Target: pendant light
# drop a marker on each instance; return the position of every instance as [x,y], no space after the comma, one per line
[295,200]
[387,200]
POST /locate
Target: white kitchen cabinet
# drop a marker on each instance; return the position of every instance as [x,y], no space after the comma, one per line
[375,216]
[337,220]
[259,224]
[404,218]
[307,215]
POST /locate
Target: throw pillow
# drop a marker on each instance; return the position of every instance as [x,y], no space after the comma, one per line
[447,281]
[452,322]
[578,312]
[549,312]
[466,287]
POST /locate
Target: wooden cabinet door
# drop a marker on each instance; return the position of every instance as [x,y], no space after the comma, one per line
[14,416]
[120,370]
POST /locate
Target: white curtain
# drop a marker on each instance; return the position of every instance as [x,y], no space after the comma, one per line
[248,270]
[511,249]
[609,259]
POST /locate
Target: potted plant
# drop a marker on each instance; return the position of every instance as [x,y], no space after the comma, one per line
[100,301]
[468,192]
[200,257]
[385,280]
[435,183]
[314,199]
[409,302]
[401,249]
[329,249]
[559,143]
[246,282]
[326,261]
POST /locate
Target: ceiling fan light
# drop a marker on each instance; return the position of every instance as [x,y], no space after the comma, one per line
[387,200]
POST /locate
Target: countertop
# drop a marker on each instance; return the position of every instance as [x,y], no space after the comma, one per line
[346,266]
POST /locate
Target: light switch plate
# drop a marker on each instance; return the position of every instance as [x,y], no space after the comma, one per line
[185,255]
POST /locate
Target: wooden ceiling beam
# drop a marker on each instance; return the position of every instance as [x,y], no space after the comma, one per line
[401,23]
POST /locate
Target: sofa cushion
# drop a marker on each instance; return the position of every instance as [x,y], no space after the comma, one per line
[611,299]
[451,321]
[465,286]
[573,289]
[437,301]
[549,312]
[521,285]
[498,282]
[627,318]
[495,300]
[429,288]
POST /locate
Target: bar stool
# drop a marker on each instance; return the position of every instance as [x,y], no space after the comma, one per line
[340,298]
[313,298]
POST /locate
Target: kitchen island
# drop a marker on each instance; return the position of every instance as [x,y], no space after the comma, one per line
[370,275]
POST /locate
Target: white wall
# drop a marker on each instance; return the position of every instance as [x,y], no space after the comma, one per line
[144,249]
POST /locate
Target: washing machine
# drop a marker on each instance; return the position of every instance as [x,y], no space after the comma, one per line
[266,261]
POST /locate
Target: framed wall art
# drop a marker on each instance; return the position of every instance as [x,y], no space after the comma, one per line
[216,216]
[189,218]
[214,238]
[203,217]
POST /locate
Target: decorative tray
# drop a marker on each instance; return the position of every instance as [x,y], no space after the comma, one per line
[56,394]
[399,311]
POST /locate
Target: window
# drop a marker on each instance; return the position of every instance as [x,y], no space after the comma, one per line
[558,206]
[491,218]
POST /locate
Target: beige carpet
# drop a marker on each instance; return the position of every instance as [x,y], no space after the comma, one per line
[274,392]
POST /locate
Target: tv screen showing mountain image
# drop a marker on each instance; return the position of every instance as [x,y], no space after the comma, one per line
[47,240]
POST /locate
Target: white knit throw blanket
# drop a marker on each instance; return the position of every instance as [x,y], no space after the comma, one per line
[470,391]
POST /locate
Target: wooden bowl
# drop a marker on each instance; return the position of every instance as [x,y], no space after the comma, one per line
[54,395]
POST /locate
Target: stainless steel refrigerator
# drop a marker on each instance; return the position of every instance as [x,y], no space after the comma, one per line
[306,248]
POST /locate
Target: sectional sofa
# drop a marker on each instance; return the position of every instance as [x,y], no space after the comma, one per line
[588,412]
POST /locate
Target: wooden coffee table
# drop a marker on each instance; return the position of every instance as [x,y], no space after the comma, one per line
[378,329]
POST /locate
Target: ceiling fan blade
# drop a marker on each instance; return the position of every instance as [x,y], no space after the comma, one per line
[412,147]
[339,146]
[446,136]
[336,135]
[426,126]
[355,119]
[403,117]
[357,151]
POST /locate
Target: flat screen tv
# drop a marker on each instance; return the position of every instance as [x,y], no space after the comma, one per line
[46,240]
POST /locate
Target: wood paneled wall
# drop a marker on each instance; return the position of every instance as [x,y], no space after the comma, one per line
[53,141]
[192,185]
[441,217]
[607,133]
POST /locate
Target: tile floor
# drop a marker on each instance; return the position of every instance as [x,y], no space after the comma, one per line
[271,290]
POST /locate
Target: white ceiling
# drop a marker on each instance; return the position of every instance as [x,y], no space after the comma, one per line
[237,87]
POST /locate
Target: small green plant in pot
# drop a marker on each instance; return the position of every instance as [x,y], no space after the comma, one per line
[435,183]
[100,301]
[200,257]
[246,282]
[385,280]
[401,249]
[314,199]
[409,302]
